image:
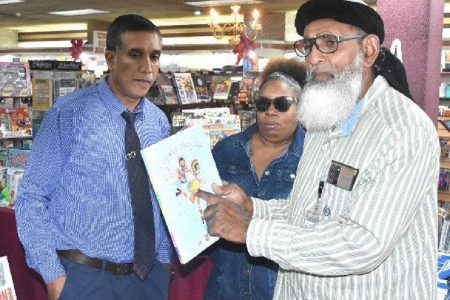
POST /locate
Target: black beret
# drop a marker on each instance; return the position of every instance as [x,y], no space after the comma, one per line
[343,11]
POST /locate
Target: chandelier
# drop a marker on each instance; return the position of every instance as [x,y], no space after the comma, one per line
[234,29]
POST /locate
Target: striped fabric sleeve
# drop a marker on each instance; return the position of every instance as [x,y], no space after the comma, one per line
[404,176]
[270,209]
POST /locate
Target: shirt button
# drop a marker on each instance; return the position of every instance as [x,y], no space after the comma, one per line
[267,173]
[292,176]
[326,211]
[259,194]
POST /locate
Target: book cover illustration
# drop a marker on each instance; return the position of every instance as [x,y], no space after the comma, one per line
[201,87]
[247,118]
[7,290]
[245,89]
[178,166]
[166,85]
[185,88]
[234,91]
[222,88]
[42,94]
[14,79]
[17,158]
[217,128]
[15,122]
[208,112]
[179,120]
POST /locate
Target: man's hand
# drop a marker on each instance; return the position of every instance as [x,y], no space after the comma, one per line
[55,288]
[228,213]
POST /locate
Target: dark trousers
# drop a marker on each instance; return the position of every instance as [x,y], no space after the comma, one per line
[87,283]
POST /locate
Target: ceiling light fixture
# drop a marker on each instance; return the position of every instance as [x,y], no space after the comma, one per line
[212,3]
[10,1]
[235,28]
[197,12]
[79,12]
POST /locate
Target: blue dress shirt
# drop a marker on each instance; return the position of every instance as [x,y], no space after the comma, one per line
[75,193]
[236,275]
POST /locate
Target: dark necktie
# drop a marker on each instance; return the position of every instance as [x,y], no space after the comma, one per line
[144,228]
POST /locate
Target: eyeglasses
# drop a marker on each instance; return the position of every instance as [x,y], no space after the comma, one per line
[326,43]
[282,103]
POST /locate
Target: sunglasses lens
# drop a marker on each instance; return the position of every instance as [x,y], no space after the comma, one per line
[262,104]
[282,104]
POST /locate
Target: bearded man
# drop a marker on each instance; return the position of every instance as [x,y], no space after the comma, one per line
[361,220]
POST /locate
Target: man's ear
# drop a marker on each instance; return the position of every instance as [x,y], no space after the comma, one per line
[110,57]
[371,49]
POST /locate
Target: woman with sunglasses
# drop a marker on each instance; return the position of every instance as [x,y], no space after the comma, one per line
[263,161]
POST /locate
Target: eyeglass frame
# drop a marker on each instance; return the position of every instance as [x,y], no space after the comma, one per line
[273,102]
[339,39]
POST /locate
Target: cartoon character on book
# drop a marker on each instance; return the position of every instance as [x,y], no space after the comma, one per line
[182,180]
[195,185]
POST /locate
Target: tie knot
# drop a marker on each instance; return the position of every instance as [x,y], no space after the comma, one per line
[129,116]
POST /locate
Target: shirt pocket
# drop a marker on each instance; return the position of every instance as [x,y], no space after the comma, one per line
[334,203]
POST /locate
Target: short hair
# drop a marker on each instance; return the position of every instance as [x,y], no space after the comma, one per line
[288,70]
[127,23]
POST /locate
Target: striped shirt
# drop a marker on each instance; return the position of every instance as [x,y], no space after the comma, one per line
[377,241]
[75,193]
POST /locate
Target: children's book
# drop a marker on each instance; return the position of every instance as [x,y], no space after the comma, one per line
[179,120]
[42,94]
[185,88]
[178,166]
[6,282]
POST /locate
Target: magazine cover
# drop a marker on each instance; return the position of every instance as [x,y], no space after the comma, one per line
[6,282]
[178,166]
[42,98]
[217,128]
[185,88]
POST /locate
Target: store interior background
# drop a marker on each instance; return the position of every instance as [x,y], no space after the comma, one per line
[28,31]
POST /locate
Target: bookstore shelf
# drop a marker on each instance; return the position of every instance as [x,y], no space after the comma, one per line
[444,196]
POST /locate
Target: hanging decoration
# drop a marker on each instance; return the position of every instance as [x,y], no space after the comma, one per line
[243,48]
[76,49]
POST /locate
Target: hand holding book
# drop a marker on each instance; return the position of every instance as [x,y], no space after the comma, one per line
[229,212]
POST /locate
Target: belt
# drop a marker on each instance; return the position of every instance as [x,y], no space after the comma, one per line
[80,258]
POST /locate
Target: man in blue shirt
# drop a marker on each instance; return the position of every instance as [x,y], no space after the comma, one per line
[263,161]
[74,212]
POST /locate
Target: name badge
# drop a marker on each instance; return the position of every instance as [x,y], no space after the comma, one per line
[342,176]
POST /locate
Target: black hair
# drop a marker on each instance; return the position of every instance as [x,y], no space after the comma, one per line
[127,23]
[289,70]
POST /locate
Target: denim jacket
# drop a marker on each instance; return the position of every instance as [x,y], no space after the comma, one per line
[236,275]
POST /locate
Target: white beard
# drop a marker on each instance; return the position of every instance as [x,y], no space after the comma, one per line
[326,104]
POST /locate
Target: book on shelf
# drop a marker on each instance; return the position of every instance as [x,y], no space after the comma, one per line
[7,290]
[185,88]
[156,95]
[217,128]
[208,112]
[166,85]
[201,87]
[234,91]
[178,120]
[247,118]
[178,166]
[17,158]
[222,86]
[42,98]
[255,88]
[245,89]
[15,122]
[15,79]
